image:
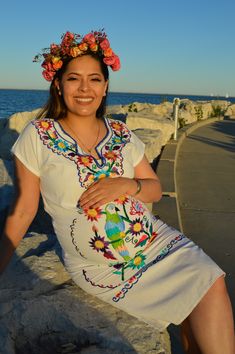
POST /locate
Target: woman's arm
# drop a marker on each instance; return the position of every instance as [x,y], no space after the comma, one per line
[151,190]
[109,189]
[22,212]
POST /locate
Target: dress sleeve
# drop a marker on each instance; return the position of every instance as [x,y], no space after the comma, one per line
[138,148]
[26,149]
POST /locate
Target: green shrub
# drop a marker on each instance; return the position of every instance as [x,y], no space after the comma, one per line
[198,112]
[217,111]
[132,108]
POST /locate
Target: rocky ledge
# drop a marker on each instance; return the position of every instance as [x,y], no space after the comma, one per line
[43,312]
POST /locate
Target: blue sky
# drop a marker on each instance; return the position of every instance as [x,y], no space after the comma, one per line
[165,46]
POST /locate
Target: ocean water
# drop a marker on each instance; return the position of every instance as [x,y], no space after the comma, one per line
[12,101]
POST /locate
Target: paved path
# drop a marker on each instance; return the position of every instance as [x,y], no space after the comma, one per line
[205,177]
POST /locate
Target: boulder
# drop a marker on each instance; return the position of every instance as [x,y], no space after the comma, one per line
[230,112]
[10,130]
[153,122]
[153,140]
[42,311]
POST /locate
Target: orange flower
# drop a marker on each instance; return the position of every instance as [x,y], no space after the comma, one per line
[93,213]
[83,47]
[116,126]
[44,125]
[94,47]
[75,51]
[110,155]
[108,52]
[85,160]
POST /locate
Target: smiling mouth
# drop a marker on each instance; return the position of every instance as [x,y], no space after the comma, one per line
[85,100]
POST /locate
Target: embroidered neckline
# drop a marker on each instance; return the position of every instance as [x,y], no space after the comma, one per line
[98,148]
[89,168]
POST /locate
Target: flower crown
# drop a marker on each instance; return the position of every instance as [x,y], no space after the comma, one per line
[74,45]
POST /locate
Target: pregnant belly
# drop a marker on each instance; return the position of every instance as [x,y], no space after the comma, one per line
[116,233]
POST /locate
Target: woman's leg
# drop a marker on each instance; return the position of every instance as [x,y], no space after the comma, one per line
[210,323]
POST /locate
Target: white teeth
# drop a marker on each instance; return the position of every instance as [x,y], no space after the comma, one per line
[83,99]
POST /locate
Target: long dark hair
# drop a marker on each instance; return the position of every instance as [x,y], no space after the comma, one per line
[55,107]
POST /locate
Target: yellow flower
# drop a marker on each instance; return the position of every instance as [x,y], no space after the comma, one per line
[61,145]
[56,63]
[99,244]
[137,227]
[122,234]
[52,135]
[102,175]
[45,125]
[137,260]
[75,51]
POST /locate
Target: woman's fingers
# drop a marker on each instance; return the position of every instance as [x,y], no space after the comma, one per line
[101,192]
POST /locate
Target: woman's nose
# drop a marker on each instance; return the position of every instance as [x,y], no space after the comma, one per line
[84,85]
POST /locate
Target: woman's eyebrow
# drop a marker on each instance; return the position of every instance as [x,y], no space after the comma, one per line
[75,73]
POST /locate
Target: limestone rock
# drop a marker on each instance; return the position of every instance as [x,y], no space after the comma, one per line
[230,112]
[153,140]
[149,121]
[42,311]
[18,121]
[10,129]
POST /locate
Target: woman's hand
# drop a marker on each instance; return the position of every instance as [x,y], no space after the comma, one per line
[107,190]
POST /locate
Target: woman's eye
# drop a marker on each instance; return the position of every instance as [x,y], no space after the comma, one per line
[96,79]
[72,78]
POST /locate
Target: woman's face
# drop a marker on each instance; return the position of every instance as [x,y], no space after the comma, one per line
[83,86]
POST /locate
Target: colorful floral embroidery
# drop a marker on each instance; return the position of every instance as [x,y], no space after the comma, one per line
[93,214]
[99,244]
[134,279]
[137,261]
[136,208]
[136,227]
[89,169]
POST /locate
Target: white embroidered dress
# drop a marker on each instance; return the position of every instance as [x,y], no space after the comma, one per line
[119,252]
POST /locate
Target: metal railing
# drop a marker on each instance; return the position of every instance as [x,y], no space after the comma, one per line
[176,104]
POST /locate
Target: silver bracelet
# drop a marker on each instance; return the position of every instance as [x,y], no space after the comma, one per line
[138,187]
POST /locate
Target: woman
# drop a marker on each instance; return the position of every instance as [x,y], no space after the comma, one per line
[94,179]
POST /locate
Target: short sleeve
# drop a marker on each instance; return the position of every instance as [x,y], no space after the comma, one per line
[26,149]
[138,148]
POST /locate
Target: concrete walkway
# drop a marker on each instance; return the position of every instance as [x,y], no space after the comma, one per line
[205,178]
[197,173]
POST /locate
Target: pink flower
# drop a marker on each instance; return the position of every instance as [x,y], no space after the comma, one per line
[89,38]
[104,44]
[116,66]
[48,75]
[47,65]
[109,60]
[67,39]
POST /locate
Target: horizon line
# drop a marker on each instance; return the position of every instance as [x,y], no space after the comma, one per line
[133,92]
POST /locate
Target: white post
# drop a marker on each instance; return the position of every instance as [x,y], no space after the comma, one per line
[176,104]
